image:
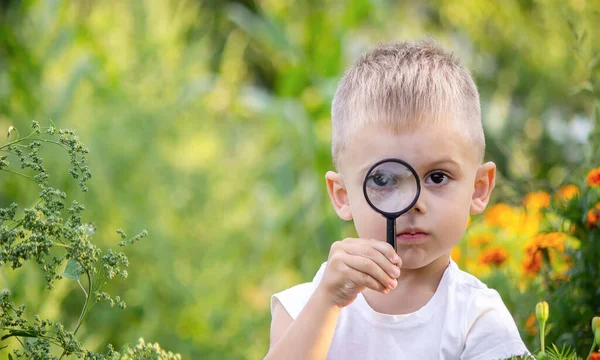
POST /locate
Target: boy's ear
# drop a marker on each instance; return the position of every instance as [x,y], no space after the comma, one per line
[338,195]
[485,180]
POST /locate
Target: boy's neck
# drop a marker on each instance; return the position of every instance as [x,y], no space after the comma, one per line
[415,288]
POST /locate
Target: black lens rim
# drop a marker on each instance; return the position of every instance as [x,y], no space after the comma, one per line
[407,165]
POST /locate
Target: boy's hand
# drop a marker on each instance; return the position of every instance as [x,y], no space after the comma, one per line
[356,264]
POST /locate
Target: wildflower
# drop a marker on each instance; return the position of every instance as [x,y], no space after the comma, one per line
[593,217]
[552,240]
[532,263]
[596,328]
[595,356]
[455,254]
[500,215]
[481,239]
[530,325]
[593,177]
[567,192]
[493,256]
[532,260]
[542,311]
[536,200]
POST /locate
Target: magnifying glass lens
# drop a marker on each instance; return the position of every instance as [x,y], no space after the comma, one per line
[391,187]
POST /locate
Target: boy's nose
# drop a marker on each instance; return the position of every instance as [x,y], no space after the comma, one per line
[419,206]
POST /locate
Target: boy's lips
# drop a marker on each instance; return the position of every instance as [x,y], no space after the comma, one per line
[412,236]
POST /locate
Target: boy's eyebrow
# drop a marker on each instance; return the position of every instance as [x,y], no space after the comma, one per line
[435,163]
[444,161]
[447,162]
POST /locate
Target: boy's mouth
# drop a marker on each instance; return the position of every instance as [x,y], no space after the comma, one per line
[412,236]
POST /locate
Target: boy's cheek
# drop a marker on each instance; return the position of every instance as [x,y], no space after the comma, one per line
[369,224]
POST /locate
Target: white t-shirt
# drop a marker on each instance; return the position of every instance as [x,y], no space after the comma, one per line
[463,320]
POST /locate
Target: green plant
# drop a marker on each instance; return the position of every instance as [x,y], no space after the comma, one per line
[553,352]
[55,237]
[574,293]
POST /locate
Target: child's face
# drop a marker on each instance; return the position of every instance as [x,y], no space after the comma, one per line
[453,184]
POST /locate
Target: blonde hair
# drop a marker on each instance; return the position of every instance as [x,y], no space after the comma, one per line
[404,86]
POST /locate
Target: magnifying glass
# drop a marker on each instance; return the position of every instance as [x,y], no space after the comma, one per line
[391,187]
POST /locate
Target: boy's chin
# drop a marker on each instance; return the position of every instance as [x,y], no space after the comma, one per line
[419,261]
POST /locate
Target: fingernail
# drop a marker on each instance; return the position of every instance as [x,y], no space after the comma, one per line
[393,284]
[396,271]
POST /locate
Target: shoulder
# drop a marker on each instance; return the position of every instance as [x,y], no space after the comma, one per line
[293,299]
[491,332]
[472,294]
[465,281]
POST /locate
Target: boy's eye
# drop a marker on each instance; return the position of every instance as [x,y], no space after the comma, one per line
[438,178]
[380,179]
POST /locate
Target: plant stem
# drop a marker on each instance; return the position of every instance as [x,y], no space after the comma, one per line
[18,173]
[85,305]
[16,141]
[82,289]
[591,350]
[543,337]
[50,339]
[83,311]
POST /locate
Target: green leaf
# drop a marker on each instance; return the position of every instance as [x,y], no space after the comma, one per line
[52,129]
[73,270]
[595,61]
[585,86]
[22,333]
[10,356]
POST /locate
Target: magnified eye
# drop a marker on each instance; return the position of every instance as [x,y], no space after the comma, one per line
[381,179]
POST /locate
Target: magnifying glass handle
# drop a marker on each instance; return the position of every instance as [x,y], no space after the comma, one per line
[391,232]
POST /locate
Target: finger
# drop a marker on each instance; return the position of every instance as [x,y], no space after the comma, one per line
[383,247]
[360,249]
[367,270]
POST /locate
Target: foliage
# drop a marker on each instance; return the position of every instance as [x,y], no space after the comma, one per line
[208,123]
[549,246]
[576,294]
[46,235]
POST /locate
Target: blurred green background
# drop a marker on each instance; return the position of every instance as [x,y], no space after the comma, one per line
[208,125]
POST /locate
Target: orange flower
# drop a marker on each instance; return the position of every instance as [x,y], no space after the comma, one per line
[500,215]
[530,325]
[536,200]
[595,356]
[495,256]
[455,254]
[565,193]
[554,240]
[532,261]
[593,177]
[481,239]
[593,217]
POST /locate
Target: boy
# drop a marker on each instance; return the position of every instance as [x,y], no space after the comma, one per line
[415,102]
